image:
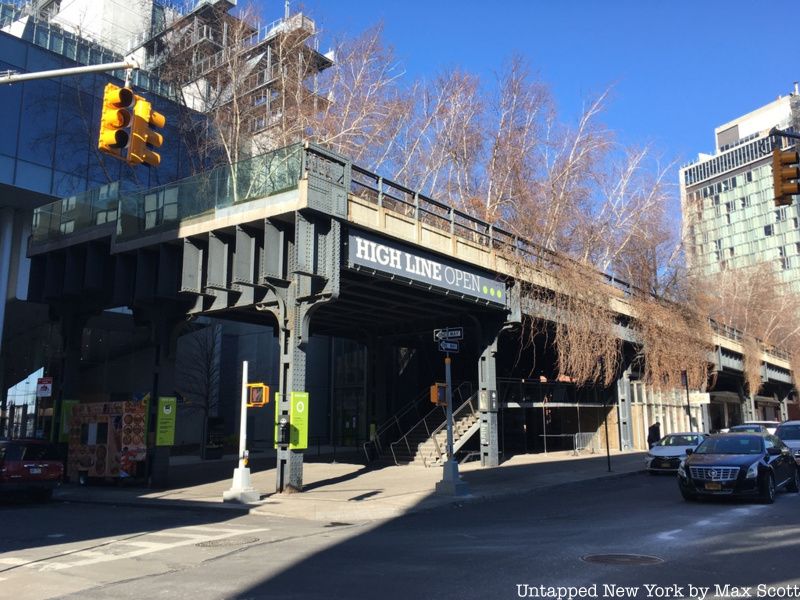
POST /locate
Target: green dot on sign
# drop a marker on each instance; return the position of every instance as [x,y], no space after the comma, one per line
[499,293]
[485,290]
[491,292]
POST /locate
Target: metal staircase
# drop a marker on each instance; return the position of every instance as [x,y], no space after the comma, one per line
[425,444]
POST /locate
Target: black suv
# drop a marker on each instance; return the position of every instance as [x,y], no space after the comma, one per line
[732,464]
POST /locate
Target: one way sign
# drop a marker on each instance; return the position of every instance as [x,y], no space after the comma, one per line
[452,333]
[447,346]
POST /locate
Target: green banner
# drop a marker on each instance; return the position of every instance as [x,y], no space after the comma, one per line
[299,421]
[66,419]
[165,423]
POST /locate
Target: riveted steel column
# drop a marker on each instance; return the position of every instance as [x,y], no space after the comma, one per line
[488,405]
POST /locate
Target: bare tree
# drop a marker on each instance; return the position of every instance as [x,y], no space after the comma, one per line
[198,371]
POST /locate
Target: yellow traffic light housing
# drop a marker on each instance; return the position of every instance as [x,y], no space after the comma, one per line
[439,394]
[143,137]
[257,395]
[115,119]
[785,176]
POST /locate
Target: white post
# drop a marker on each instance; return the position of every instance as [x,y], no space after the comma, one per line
[243,419]
[241,490]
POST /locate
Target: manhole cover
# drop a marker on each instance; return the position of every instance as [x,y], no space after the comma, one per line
[622,559]
[233,541]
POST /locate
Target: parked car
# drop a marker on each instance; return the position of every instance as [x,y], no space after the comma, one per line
[789,433]
[748,428]
[754,427]
[669,451]
[30,466]
[738,464]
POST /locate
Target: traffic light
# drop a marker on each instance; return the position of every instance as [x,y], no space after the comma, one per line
[785,176]
[115,120]
[439,394]
[143,137]
[258,395]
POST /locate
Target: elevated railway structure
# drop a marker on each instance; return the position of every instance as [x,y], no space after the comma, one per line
[304,240]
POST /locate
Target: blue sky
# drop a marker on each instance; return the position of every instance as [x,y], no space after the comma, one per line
[678,67]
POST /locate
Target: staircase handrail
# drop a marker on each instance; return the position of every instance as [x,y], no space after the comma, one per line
[393,421]
[395,418]
[456,415]
[424,421]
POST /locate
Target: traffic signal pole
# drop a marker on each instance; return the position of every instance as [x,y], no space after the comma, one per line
[9,77]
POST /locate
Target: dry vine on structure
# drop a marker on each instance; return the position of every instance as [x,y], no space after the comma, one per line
[752,364]
[674,339]
[587,349]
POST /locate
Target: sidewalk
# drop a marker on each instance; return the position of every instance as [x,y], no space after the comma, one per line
[345,492]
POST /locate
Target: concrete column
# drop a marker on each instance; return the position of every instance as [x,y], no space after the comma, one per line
[488,405]
[6,235]
[6,231]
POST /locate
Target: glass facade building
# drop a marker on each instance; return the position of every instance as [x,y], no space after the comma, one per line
[729,217]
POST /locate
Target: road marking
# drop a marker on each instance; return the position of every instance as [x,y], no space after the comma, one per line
[155,546]
[668,535]
[177,534]
[704,522]
[116,549]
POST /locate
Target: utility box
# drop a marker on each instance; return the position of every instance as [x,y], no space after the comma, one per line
[487,401]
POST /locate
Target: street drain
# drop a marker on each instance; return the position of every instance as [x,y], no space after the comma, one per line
[233,541]
[622,559]
[338,524]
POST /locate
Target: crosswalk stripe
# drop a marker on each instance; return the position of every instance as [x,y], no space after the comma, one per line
[177,534]
[140,547]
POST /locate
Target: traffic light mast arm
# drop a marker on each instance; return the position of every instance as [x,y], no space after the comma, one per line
[13,77]
[777,132]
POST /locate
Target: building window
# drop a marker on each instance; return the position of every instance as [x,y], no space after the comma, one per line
[767,230]
[780,215]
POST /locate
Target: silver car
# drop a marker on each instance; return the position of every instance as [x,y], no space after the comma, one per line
[669,451]
[789,433]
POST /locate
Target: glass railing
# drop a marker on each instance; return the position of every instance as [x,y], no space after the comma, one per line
[143,212]
[207,196]
[76,213]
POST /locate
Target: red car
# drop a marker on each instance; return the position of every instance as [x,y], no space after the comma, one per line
[30,466]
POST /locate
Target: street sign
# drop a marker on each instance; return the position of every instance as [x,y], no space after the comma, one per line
[447,346]
[44,387]
[452,333]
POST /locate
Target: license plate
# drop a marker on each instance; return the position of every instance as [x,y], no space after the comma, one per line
[714,486]
[35,471]
[665,464]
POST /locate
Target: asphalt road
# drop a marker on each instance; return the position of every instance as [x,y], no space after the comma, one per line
[517,547]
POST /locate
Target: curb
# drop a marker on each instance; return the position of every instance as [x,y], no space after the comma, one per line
[475,499]
[429,503]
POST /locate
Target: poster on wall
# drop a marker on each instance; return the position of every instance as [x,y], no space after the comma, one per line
[107,439]
[165,423]
[298,418]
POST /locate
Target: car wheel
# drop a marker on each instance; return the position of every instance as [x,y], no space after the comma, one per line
[768,489]
[794,482]
[688,496]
